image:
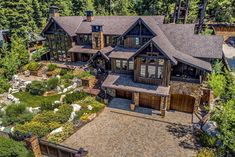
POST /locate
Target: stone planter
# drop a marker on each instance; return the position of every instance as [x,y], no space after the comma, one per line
[88,82]
[132,107]
[163,112]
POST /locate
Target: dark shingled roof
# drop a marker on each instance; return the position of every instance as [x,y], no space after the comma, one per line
[116,25]
[201,46]
[126,82]
[88,49]
[69,23]
[122,53]
[177,41]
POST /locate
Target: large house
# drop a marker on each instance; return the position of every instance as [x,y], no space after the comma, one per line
[156,65]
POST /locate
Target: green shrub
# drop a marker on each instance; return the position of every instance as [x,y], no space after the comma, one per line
[11,148]
[54,72]
[36,88]
[33,66]
[206,152]
[52,83]
[225,118]
[97,106]
[217,82]
[16,114]
[4,85]
[61,116]
[68,129]
[67,76]
[44,123]
[85,75]
[48,105]
[45,117]
[51,67]
[64,112]
[72,97]
[207,140]
[2,71]
[34,127]
[63,72]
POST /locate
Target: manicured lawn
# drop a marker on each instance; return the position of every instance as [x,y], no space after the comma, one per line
[34,100]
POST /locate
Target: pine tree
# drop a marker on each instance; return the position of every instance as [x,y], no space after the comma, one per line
[18,15]
[37,14]
[19,49]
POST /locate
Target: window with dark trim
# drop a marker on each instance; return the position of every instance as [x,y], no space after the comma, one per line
[131,65]
[124,65]
[151,68]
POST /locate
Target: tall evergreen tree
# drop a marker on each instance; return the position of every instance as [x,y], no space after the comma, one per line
[80,6]
[37,14]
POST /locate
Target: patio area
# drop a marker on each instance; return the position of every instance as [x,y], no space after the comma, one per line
[117,132]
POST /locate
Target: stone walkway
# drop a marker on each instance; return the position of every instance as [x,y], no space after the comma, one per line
[120,133]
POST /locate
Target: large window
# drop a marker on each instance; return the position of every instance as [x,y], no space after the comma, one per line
[143,71]
[124,65]
[151,71]
[152,68]
[85,39]
[131,65]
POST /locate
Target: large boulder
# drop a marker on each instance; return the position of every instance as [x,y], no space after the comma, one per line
[211,128]
[10,97]
[89,107]
[76,107]
[62,98]
[33,110]
[27,73]
[58,130]
[72,116]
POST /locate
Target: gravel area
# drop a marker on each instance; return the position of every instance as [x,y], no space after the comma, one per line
[121,133]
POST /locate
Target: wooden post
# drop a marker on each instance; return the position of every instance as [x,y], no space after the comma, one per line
[33,144]
[163,106]
[136,98]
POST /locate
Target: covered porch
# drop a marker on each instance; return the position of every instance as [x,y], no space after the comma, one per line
[85,52]
[143,95]
[81,53]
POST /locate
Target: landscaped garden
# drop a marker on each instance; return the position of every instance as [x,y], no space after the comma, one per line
[53,106]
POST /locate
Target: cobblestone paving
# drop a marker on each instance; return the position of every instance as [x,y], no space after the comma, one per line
[120,133]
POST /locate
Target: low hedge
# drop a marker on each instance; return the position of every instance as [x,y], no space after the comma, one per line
[52,83]
[33,66]
[47,105]
[207,140]
[36,88]
[44,123]
[72,97]
[51,67]
[206,152]
[4,85]
[16,114]
[54,72]
[11,148]
[67,130]
[85,75]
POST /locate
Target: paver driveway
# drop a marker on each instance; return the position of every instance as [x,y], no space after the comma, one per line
[118,133]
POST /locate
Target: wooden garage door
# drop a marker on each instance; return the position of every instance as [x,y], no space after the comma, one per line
[184,103]
[150,101]
[123,94]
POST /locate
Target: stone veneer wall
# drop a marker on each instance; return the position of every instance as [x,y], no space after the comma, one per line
[191,89]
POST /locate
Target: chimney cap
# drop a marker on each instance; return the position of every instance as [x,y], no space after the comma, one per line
[89,13]
[54,7]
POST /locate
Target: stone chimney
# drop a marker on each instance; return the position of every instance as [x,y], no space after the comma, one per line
[97,37]
[54,11]
[33,144]
[89,16]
